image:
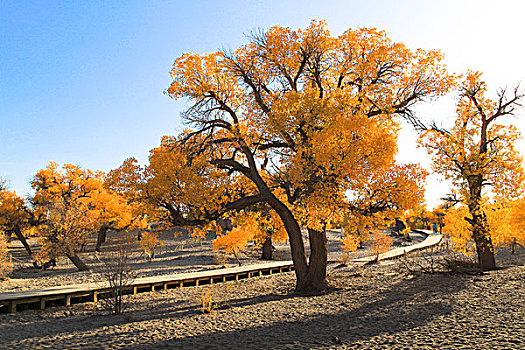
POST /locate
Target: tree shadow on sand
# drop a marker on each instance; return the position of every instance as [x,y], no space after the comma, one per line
[397,308]
[400,308]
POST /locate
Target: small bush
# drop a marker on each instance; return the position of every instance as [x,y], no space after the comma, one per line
[149,243]
[117,272]
[349,244]
[212,299]
[207,304]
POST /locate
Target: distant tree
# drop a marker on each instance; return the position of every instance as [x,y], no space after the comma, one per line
[478,154]
[73,204]
[16,217]
[114,212]
[303,117]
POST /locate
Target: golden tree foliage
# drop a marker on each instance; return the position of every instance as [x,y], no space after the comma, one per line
[505,221]
[304,117]
[517,219]
[178,187]
[253,225]
[478,154]
[14,213]
[350,243]
[457,229]
[73,204]
[16,217]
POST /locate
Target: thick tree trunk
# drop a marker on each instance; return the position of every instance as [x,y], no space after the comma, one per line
[267,249]
[315,280]
[311,278]
[484,246]
[101,238]
[304,283]
[79,264]
[480,228]
[23,240]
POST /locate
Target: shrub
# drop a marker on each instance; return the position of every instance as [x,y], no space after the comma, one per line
[117,272]
[149,242]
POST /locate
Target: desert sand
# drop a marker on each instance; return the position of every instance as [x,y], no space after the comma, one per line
[381,306]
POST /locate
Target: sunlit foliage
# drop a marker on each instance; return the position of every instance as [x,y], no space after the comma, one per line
[72,203]
[305,118]
[478,154]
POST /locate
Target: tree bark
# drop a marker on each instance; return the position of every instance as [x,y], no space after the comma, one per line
[315,280]
[484,246]
[267,249]
[101,238]
[79,264]
[480,228]
[301,267]
[23,240]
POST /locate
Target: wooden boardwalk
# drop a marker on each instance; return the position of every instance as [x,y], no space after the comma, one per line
[65,295]
[75,293]
[431,241]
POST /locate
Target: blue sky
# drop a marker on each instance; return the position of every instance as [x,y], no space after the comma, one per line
[82,81]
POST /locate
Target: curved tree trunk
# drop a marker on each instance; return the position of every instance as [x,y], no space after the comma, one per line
[79,264]
[18,233]
[315,279]
[101,238]
[311,278]
[23,240]
[267,249]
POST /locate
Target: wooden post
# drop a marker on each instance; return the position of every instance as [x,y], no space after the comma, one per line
[260,273]
[196,283]
[42,303]
[12,307]
[165,286]
[236,276]
[181,284]
[224,278]
[68,300]
[271,271]
[152,287]
[134,290]
[95,296]
[211,280]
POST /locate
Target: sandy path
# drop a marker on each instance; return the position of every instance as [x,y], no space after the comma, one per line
[373,307]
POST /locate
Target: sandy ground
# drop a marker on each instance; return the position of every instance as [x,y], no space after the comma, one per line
[369,307]
[380,306]
[179,254]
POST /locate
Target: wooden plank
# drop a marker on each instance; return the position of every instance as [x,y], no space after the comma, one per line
[429,242]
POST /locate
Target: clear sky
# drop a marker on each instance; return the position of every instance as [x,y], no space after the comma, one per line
[82,81]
